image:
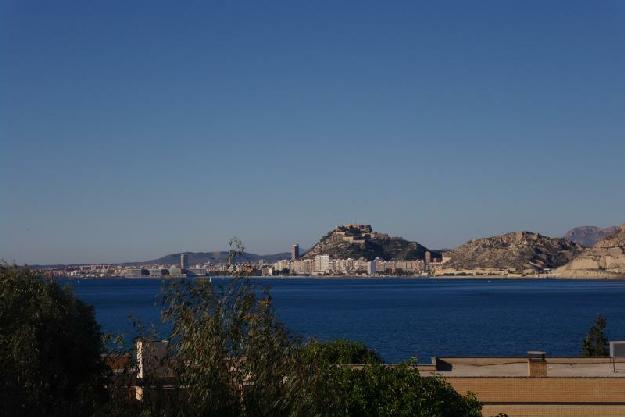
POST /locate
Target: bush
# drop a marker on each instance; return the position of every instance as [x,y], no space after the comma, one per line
[375,389]
[50,349]
[595,344]
[340,351]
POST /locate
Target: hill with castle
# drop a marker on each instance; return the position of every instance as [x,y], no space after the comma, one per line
[358,241]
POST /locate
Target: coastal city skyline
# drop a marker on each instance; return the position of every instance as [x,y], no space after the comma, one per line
[359,250]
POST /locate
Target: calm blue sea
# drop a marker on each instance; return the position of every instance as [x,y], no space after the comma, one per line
[401,318]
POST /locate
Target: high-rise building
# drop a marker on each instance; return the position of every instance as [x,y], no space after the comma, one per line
[184,261]
[371,268]
[295,252]
[428,257]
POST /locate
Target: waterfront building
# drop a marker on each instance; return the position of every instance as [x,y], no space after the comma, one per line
[371,268]
[155,272]
[295,252]
[132,272]
[176,272]
[184,261]
[282,265]
[302,267]
[380,266]
[322,264]
[197,271]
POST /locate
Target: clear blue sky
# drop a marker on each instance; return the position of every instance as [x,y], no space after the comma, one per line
[131,129]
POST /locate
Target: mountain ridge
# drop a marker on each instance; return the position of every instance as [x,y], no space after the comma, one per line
[587,236]
[524,252]
[606,259]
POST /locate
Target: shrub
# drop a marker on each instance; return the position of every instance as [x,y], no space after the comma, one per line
[50,349]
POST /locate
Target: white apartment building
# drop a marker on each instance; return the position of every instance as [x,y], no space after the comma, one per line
[322,264]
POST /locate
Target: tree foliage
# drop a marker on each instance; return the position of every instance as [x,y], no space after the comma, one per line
[335,387]
[50,349]
[231,354]
[340,351]
[595,344]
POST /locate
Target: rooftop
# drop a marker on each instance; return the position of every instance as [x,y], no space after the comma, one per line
[519,367]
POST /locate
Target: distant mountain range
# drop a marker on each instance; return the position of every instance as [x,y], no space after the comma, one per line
[213,257]
[587,236]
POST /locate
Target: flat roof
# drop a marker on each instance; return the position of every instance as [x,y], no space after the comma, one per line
[518,367]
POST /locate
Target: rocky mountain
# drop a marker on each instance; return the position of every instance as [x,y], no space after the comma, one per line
[360,241]
[587,236]
[606,259]
[214,257]
[523,252]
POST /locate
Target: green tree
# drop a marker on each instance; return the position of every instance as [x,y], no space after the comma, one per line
[231,356]
[380,390]
[345,378]
[595,344]
[50,349]
[340,351]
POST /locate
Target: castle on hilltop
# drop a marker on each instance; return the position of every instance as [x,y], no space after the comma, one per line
[357,233]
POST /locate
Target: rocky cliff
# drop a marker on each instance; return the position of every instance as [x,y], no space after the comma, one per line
[606,259]
[521,252]
[587,236]
[360,241]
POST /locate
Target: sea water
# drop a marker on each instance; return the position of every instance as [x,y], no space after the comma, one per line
[403,318]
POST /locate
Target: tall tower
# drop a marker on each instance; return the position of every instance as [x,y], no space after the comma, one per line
[295,252]
[428,257]
[184,261]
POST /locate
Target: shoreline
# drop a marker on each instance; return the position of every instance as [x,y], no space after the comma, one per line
[364,278]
